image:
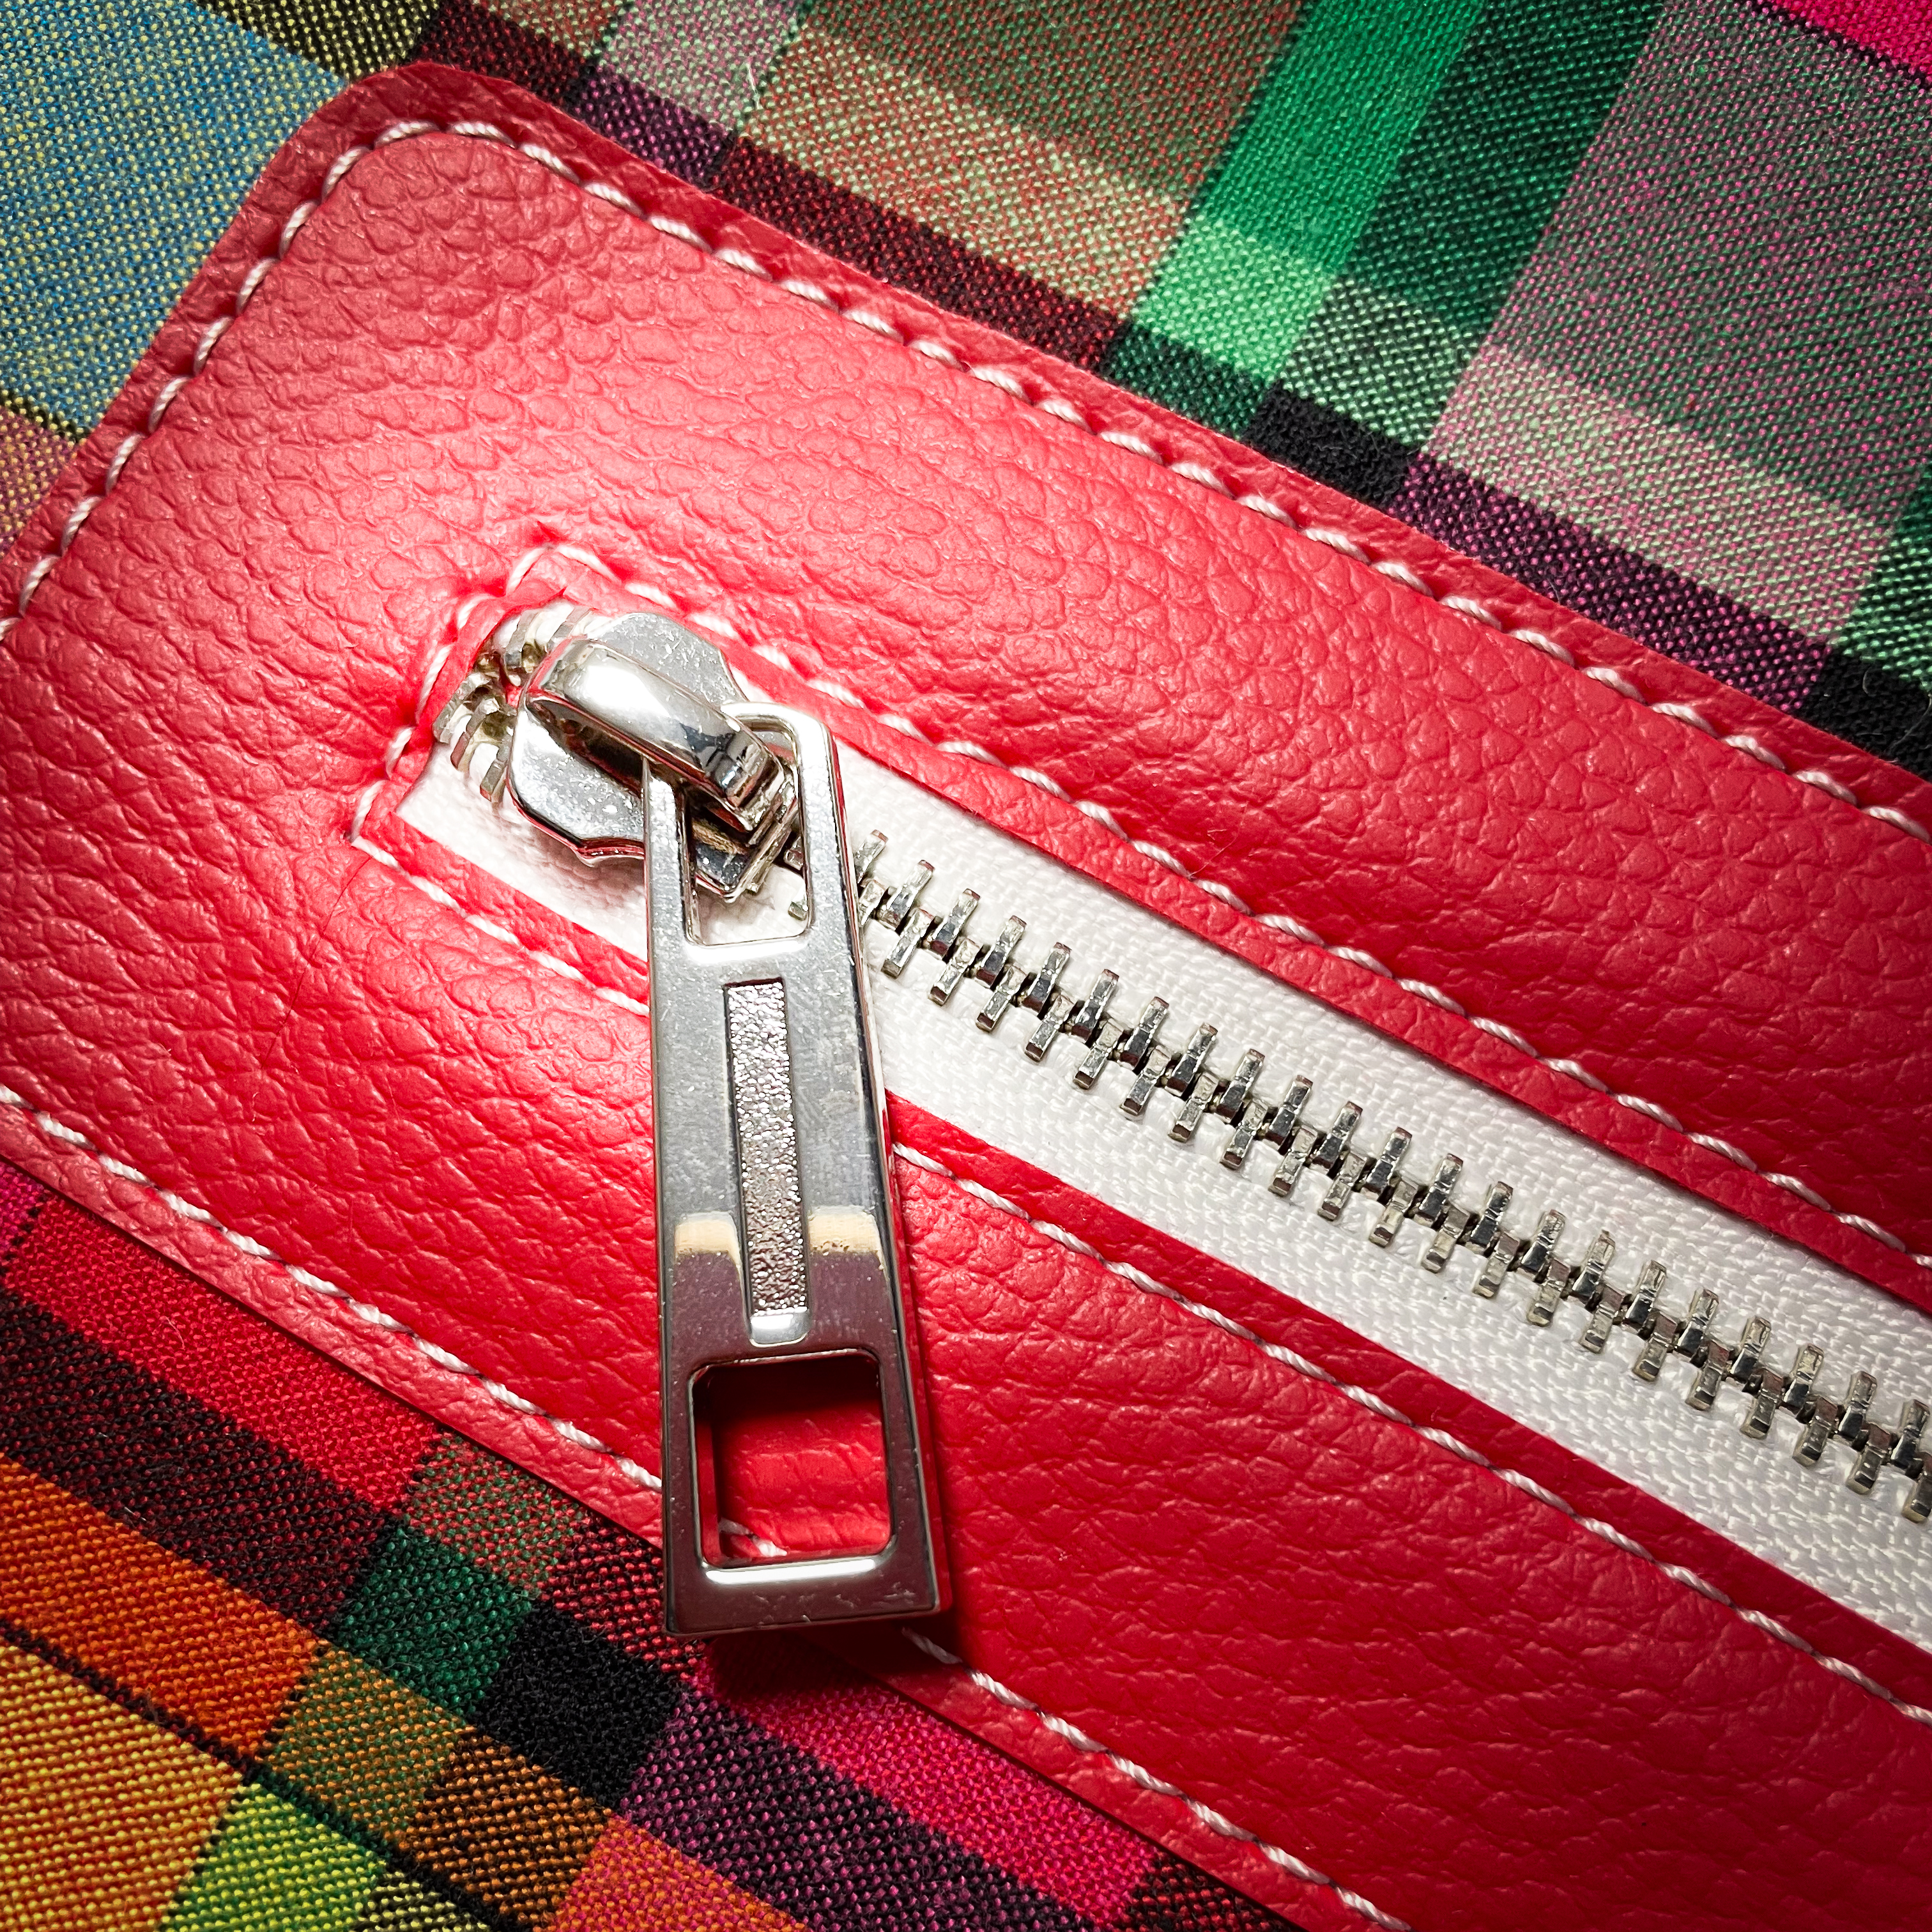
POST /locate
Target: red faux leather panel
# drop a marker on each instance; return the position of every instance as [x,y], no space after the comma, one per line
[490,354]
[1460,1703]
[1453,1699]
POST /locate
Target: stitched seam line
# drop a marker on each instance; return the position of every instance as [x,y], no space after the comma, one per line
[548,962]
[1215,1821]
[443,1362]
[371,1316]
[1366,1398]
[717,623]
[399,743]
[1003,379]
[1062,411]
[1300,1363]
[1392,568]
[1125,1271]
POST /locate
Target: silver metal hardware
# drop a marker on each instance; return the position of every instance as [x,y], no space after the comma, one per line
[1341,1189]
[1401,1203]
[1503,1249]
[775,1232]
[564,700]
[1380,1176]
[1292,1162]
[1642,1310]
[794,1168]
[1597,1329]
[1913,1420]
[1201,1097]
[1254,1119]
[1454,1225]
[1664,1336]
[1482,1237]
[1106,1039]
[1806,1367]
[1690,1337]
[912,923]
[1745,1364]
[600,699]
[1450,1227]
[1152,1076]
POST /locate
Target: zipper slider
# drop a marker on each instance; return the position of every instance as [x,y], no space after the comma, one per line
[628,738]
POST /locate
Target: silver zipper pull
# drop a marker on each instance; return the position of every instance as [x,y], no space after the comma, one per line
[776,1239]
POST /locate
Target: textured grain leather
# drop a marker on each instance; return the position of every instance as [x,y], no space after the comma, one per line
[1857,1550]
[1443,1692]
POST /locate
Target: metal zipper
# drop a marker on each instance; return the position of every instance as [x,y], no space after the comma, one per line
[628,738]
[1316,1157]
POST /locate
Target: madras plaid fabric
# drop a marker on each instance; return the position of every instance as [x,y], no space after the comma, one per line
[1627,297]
[279,1654]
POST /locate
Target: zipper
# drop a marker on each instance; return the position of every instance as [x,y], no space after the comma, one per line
[1218,1101]
[628,739]
[1315,1158]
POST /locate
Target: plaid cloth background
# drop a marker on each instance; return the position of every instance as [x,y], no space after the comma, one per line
[279,1654]
[1628,298]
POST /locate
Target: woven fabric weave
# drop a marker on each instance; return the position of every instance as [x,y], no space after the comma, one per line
[1627,297]
[278,1653]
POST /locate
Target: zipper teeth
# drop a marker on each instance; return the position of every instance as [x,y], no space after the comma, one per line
[1305,1150]
[478,718]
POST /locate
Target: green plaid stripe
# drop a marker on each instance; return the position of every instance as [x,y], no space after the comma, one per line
[277,1654]
[1627,297]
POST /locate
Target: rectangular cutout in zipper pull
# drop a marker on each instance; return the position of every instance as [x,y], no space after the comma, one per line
[775,1222]
[776,1243]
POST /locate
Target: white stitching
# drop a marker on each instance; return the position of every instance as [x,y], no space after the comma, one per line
[1135,1276]
[1047,404]
[1011,385]
[1283,922]
[452,1366]
[366,1312]
[1366,1398]
[438,895]
[1215,1821]
[562,968]
[1393,568]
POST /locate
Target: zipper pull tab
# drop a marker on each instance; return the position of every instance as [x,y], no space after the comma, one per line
[776,1238]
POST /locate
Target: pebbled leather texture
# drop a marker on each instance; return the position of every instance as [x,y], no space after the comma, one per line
[935,1059]
[1677,921]
[1457,1702]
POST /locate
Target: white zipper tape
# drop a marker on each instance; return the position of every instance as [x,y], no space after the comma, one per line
[1858,1550]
